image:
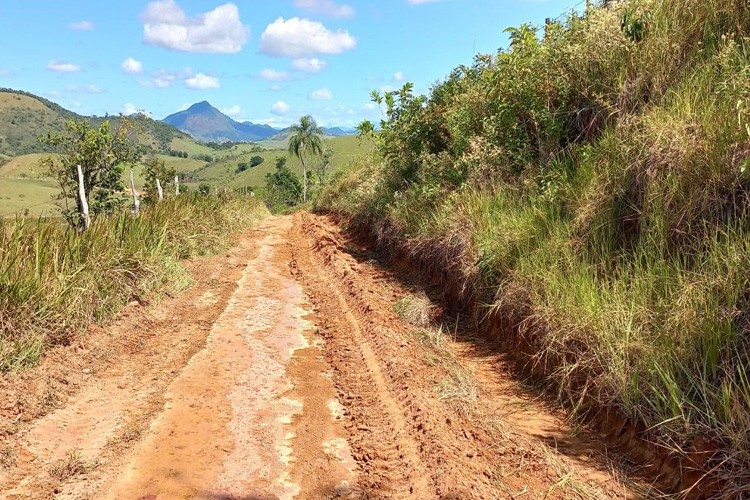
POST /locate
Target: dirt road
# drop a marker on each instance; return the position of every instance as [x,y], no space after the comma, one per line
[284,372]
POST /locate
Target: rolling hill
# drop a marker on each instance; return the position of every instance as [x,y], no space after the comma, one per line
[24,117]
[26,188]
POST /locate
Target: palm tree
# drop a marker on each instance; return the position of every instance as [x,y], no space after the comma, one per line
[305,139]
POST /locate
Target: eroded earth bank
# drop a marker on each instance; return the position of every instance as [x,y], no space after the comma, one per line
[296,366]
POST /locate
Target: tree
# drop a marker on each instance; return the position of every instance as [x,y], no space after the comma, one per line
[103,155]
[305,140]
[365,130]
[157,169]
[325,165]
[283,186]
[255,161]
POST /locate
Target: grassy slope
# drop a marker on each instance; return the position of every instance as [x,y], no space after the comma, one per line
[595,186]
[223,172]
[24,117]
[22,120]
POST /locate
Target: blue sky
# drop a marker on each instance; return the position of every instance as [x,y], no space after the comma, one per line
[265,61]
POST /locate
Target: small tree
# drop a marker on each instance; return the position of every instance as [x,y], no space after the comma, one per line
[305,139]
[255,161]
[157,169]
[103,155]
[283,186]
[325,165]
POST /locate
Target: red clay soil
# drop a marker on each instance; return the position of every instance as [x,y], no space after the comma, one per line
[283,372]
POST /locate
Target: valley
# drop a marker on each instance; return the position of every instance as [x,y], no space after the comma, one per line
[27,188]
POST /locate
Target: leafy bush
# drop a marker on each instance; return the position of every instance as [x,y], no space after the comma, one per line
[204,157]
[283,187]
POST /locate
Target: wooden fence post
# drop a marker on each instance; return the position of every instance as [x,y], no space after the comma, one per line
[177,184]
[159,189]
[136,203]
[84,201]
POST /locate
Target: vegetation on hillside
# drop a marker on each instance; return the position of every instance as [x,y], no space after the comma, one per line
[23,115]
[592,182]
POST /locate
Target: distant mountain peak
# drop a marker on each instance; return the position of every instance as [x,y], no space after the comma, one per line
[206,123]
[201,106]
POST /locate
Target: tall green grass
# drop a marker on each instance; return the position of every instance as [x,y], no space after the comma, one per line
[54,281]
[592,183]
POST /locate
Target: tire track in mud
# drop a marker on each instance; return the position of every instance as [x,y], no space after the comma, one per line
[403,443]
[390,458]
[249,413]
[472,453]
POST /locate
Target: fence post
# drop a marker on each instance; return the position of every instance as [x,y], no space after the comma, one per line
[84,201]
[160,190]
[177,184]
[136,203]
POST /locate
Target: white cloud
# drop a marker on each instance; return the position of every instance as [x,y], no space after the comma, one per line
[62,67]
[369,106]
[301,37]
[201,81]
[234,111]
[164,78]
[132,67]
[327,7]
[309,65]
[417,2]
[276,88]
[399,76]
[272,75]
[129,109]
[219,31]
[321,95]
[5,72]
[184,107]
[279,108]
[274,121]
[82,26]
[83,89]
